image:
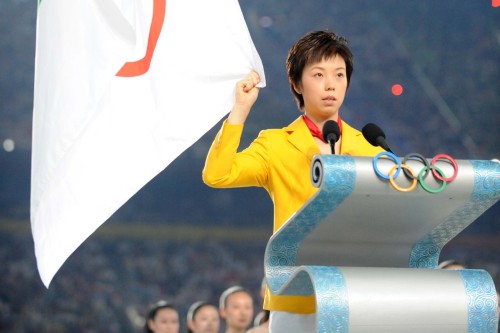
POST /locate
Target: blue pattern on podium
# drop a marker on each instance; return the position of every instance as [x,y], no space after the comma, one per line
[486,191]
[482,301]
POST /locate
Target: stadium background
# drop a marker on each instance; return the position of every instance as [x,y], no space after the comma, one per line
[179,240]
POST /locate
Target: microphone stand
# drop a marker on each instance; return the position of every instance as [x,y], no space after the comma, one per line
[332,146]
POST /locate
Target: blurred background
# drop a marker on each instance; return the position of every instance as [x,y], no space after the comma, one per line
[179,240]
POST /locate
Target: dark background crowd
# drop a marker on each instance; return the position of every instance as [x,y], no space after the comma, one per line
[179,240]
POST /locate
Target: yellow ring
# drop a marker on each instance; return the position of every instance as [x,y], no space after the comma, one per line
[400,189]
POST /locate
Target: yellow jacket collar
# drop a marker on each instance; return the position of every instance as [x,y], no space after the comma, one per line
[300,137]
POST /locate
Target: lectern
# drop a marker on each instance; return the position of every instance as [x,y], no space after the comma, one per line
[369,252]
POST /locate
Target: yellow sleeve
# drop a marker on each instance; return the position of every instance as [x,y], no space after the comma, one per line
[226,167]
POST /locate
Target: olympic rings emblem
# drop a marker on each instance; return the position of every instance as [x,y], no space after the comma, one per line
[419,177]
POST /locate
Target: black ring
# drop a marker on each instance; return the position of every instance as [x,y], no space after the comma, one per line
[419,157]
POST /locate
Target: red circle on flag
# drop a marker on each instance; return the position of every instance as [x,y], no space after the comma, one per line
[397,89]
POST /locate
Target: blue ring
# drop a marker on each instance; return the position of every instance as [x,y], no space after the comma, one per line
[391,155]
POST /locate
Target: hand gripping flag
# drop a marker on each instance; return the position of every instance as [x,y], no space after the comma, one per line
[121,89]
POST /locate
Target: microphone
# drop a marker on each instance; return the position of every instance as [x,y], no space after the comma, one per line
[331,133]
[375,136]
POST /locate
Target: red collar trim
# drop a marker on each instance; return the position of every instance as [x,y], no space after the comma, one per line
[315,131]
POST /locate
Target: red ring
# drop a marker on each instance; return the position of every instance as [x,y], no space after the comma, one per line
[451,160]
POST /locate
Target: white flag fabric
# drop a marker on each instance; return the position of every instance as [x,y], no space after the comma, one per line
[121,89]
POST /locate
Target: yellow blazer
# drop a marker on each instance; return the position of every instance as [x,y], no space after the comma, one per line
[278,160]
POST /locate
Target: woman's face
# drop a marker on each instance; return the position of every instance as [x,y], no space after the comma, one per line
[323,87]
[165,321]
[239,310]
[206,320]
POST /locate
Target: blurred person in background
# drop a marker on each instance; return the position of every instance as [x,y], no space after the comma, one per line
[203,317]
[451,264]
[236,308]
[498,303]
[162,317]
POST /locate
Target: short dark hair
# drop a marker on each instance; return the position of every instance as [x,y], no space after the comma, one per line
[314,47]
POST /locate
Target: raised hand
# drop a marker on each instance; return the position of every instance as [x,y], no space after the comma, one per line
[245,96]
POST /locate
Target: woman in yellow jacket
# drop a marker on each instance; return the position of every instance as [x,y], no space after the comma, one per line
[319,69]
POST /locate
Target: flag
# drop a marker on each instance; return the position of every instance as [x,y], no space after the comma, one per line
[121,89]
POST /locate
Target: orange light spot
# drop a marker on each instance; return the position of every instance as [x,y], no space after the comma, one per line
[397,89]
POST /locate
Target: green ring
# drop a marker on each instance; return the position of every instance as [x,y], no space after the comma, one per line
[421,180]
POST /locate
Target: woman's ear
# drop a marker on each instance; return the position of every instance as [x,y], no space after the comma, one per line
[222,312]
[297,89]
[190,325]
[151,324]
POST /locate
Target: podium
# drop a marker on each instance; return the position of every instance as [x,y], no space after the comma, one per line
[369,253]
